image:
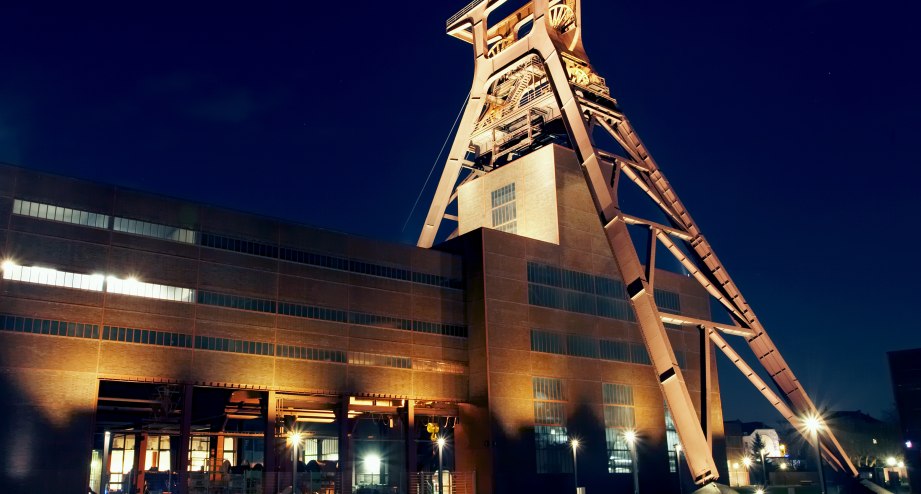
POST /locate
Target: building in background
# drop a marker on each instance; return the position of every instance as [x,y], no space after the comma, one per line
[905,369]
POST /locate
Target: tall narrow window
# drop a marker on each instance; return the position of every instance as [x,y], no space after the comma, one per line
[618,419]
[550,434]
[671,437]
[504,214]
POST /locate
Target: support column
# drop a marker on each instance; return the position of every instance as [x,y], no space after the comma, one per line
[346,465]
[140,457]
[409,440]
[706,374]
[270,465]
[185,434]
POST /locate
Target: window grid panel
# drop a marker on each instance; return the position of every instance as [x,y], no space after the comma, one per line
[154,230]
[547,342]
[377,360]
[427,365]
[667,301]
[59,214]
[325,261]
[619,417]
[149,290]
[53,277]
[147,336]
[21,324]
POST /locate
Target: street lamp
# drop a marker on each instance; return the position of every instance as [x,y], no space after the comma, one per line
[813,423]
[630,436]
[294,438]
[747,461]
[575,465]
[764,476]
[441,447]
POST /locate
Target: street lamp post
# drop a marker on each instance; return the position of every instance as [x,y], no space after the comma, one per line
[630,436]
[575,464]
[295,438]
[678,467]
[764,474]
[747,461]
[813,424]
[441,447]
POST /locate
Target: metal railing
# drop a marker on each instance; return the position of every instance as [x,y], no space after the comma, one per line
[259,482]
[462,12]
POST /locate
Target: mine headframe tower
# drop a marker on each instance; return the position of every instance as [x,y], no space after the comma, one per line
[533,85]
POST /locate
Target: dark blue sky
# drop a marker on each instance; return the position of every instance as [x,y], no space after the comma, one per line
[788,127]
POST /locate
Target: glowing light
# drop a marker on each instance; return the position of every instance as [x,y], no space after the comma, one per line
[630,436]
[813,423]
[441,442]
[890,462]
[574,443]
[908,444]
[901,464]
[8,265]
[747,462]
[294,438]
[783,466]
[372,464]
[759,491]
[735,466]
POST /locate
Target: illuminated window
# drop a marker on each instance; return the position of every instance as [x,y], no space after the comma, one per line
[671,438]
[121,461]
[154,230]
[198,453]
[504,213]
[230,452]
[57,213]
[158,453]
[619,416]
[149,290]
[48,276]
[550,434]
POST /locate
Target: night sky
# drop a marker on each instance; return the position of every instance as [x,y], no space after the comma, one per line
[787,127]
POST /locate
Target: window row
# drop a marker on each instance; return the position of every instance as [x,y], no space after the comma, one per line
[583,303]
[373,359]
[623,351]
[236,302]
[19,324]
[98,220]
[586,346]
[184,235]
[234,346]
[155,230]
[95,283]
[137,288]
[146,337]
[325,261]
[544,274]
[667,301]
[306,353]
[57,213]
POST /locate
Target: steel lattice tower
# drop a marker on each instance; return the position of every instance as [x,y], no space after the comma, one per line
[535,87]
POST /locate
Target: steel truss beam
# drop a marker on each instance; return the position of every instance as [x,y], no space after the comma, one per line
[583,102]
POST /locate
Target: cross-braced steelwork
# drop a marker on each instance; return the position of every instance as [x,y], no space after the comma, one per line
[533,85]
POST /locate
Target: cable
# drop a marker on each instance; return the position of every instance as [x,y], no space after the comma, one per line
[437,160]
